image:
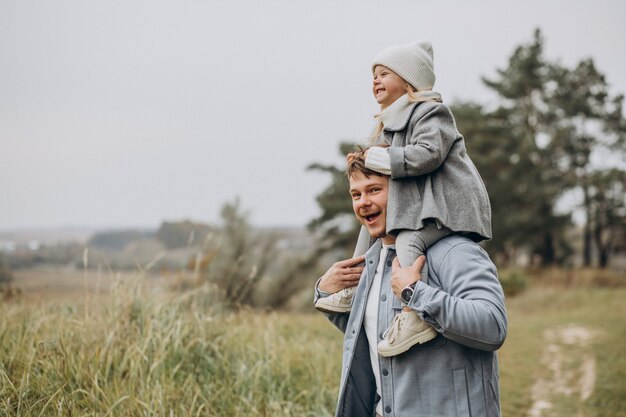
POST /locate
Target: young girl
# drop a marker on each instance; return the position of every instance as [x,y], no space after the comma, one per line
[435,188]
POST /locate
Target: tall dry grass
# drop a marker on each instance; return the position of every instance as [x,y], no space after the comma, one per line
[138,353]
[144,351]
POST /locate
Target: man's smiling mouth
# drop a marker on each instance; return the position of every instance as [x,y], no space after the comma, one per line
[370,218]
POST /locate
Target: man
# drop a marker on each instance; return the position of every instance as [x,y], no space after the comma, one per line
[454,374]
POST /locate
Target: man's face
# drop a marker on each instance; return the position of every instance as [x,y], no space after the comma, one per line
[369,202]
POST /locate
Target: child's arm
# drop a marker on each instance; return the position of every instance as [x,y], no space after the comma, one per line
[432,138]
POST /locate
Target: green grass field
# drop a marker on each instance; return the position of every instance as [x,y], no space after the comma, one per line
[144,353]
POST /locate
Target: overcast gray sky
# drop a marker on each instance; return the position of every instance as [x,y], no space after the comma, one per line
[117,113]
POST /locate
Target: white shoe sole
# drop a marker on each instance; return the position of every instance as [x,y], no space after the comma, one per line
[325,308]
[417,339]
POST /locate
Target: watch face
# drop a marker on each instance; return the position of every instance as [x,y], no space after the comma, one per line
[407,293]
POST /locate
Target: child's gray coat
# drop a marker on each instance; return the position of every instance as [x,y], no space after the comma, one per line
[433,177]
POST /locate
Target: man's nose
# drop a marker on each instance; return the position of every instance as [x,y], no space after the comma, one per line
[364,201]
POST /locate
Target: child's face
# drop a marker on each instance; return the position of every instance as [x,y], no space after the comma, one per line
[387,86]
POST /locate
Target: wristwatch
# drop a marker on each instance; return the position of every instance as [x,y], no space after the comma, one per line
[407,293]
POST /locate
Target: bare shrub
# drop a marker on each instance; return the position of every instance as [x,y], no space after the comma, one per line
[513,282]
[6,277]
[235,258]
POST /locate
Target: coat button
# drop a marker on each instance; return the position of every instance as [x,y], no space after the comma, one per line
[381,336]
[389,262]
[383,298]
[385,372]
[388,409]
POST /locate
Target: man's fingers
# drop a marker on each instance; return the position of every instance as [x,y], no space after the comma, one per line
[351,262]
[351,280]
[419,263]
[354,270]
[395,264]
[358,260]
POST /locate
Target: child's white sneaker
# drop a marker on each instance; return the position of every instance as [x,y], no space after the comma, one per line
[406,330]
[339,302]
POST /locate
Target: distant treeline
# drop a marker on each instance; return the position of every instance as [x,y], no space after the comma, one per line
[173,235]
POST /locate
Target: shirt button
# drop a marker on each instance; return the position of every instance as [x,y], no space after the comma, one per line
[383,298]
[385,372]
[388,409]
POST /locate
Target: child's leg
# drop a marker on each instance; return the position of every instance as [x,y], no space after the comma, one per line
[363,243]
[407,329]
[410,244]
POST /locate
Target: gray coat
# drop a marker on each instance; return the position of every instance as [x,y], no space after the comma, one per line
[433,177]
[453,375]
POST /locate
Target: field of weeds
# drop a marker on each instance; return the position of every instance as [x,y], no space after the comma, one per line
[141,352]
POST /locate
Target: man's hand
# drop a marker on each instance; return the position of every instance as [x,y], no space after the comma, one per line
[403,277]
[342,274]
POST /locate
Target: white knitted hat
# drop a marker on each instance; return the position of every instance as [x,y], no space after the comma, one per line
[412,61]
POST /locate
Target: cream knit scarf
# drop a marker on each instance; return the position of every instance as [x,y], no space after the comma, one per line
[395,112]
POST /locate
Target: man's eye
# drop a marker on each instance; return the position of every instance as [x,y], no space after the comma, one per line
[355,196]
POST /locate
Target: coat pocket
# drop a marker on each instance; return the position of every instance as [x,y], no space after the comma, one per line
[460,392]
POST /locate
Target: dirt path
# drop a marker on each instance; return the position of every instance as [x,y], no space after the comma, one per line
[571,371]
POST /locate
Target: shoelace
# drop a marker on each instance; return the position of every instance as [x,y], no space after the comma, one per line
[347,293]
[394,329]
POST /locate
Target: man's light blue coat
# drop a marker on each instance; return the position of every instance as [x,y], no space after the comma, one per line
[453,375]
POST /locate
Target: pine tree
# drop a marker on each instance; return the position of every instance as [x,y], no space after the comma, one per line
[587,124]
[532,177]
[338,227]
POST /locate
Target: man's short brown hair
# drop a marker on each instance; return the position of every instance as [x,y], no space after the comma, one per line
[356,163]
